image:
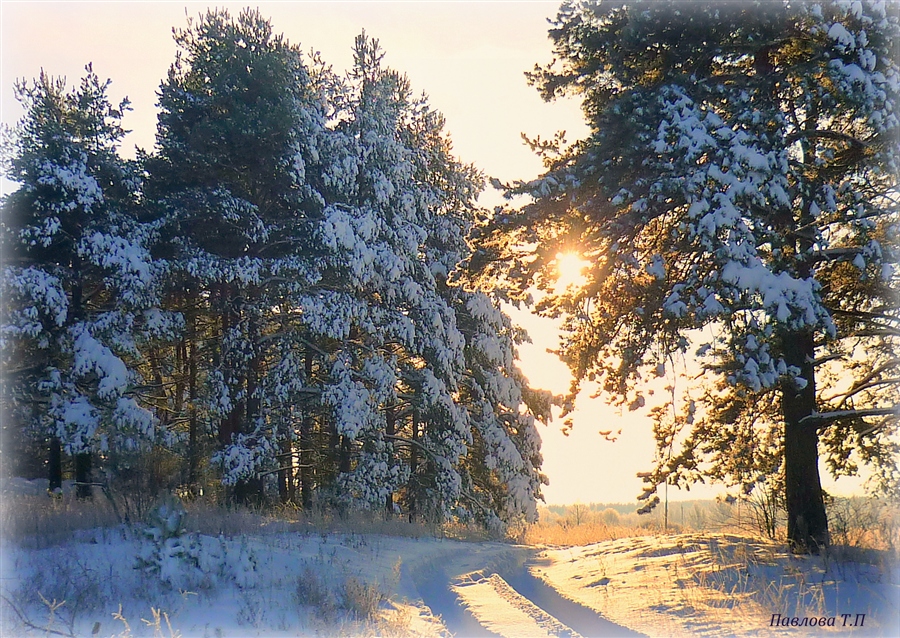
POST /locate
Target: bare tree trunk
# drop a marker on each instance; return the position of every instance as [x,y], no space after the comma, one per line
[286,462]
[807,521]
[193,427]
[413,468]
[390,430]
[226,423]
[54,464]
[83,476]
[306,424]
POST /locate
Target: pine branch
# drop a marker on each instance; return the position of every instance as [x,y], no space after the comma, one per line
[819,419]
[828,135]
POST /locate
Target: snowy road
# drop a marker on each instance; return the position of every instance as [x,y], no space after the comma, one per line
[509,601]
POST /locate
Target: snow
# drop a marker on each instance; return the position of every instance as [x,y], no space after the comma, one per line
[505,612]
[91,356]
[717,585]
[278,578]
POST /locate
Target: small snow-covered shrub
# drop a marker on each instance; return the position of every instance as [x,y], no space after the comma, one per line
[189,560]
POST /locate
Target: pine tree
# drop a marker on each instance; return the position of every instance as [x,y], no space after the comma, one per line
[735,194]
[79,287]
[405,383]
[267,292]
[233,180]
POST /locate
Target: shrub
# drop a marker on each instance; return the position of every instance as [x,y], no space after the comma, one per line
[361,599]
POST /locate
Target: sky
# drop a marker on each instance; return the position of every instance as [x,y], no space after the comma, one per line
[468,57]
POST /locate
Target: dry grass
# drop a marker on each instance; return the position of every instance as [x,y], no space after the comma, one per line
[214,519]
[583,534]
[581,526]
[38,521]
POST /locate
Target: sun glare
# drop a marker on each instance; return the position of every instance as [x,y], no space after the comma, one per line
[570,269]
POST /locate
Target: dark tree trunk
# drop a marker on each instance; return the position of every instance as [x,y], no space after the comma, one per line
[54,465]
[286,467]
[346,447]
[306,424]
[249,491]
[390,430]
[413,467]
[226,424]
[83,476]
[807,522]
[193,427]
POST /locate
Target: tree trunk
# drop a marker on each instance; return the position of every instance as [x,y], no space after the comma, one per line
[346,448]
[226,423]
[390,430]
[306,442]
[54,465]
[807,522]
[413,467]
[83,476]
[286,467]
[193,426]
[251,490]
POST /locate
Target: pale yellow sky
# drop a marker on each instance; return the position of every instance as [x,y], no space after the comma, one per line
[469,57]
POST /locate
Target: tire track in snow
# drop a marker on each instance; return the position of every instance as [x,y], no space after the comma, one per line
[505,599]
[502,609]
[434,588]
[584,620]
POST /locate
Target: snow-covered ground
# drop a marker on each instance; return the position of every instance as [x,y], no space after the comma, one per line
[290,583]
[724,585]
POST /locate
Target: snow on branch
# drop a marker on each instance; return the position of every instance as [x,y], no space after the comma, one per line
[818,419]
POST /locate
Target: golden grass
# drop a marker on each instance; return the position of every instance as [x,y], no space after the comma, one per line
[583,534]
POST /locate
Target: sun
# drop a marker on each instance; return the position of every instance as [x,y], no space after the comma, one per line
[570,269]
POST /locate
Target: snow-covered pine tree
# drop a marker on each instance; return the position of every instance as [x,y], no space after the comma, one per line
[503,464]
[78,284]
[737,193]
[233,182]
[404,378]
[393,335]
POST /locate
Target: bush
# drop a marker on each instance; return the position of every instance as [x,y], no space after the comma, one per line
[188,561]
[361,599]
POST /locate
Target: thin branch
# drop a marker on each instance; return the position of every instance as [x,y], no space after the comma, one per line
[865,315]
[280,469]
[826,359]
[859,388]
[878,426]
[828,135]
[819,419]
[30,624]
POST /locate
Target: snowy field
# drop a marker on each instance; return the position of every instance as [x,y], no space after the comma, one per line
[262,577]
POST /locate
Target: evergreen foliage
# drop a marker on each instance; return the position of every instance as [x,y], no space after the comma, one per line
[736,196]
[271,297]
[79,286]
